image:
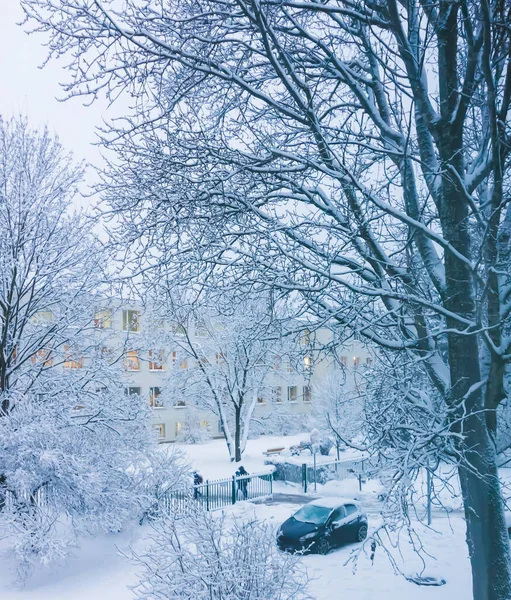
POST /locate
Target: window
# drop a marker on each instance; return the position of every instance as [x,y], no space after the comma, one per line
[72,362]
[291,393]
[155,399]
[183,364]
[156,360]
[204,424]
[103,319]
[107,354]
[276,362]
[369,361]
[306,338]
[220,428]
[289,367]
[307,363]
[131,361]
[42,357]
[43,316]
[180,403]
[307,393]
[350,509]
[344,361]
[219,358]
[200,328]
[338,514]
[133,391]
[131,320]
[356,361]
[159,428]
[277,393]
[260,400]
[179,428]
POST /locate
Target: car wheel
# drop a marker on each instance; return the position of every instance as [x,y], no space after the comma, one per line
[362,533]
[323,547]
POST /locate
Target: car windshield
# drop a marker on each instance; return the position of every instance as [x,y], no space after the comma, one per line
[311,513]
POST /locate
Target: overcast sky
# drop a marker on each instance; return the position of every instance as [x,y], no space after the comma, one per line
[27,89]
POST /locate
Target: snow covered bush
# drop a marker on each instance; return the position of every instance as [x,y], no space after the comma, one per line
[194,430]
[206,557]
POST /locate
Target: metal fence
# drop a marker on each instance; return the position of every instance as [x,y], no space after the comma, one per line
[334,469]
[308,474]
[215,494]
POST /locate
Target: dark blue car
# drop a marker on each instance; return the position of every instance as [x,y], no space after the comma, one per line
[322,525]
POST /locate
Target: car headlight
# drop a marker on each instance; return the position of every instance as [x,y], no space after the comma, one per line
[308,536]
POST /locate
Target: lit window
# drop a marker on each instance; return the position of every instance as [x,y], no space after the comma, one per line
[133,391]
[260,400]
[307,363]
[156,360]
[103,319]
[72,362]
[155,399]
[131,361]
[42,357]
[159,428]
[369,361]
[292,393]
[306,338]
[307,393]
[277,393]
[131,320]
[183,364]
[204,425]
[344,361]
[356,361]
[179,428]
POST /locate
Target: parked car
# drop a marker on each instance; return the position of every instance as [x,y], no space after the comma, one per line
[323,524]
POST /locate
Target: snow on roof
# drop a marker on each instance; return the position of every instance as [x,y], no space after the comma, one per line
[333,502]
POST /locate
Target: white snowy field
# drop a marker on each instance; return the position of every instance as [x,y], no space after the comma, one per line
[99,571]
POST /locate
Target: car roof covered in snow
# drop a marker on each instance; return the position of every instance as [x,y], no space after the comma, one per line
[333,502]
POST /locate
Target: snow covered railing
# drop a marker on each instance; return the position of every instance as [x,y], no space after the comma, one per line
[215,494]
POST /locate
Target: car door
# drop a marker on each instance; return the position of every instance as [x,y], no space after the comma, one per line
[351,520]
[337,533]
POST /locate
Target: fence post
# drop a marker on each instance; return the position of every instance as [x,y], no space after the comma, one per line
[207,495]
[271,484]
[429,490]
[233,489]
[304,478]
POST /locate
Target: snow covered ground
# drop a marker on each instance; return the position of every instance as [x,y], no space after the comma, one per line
[98,571]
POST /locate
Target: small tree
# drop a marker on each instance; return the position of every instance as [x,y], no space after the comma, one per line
[204,557]
[222,356]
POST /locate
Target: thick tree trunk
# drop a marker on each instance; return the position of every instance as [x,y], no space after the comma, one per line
[487,537]
[237,435]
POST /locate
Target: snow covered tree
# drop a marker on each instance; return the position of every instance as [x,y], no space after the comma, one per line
[72,443]
[357,153]
[205,557]
[221,356]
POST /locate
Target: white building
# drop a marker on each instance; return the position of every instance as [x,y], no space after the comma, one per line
[291,385]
